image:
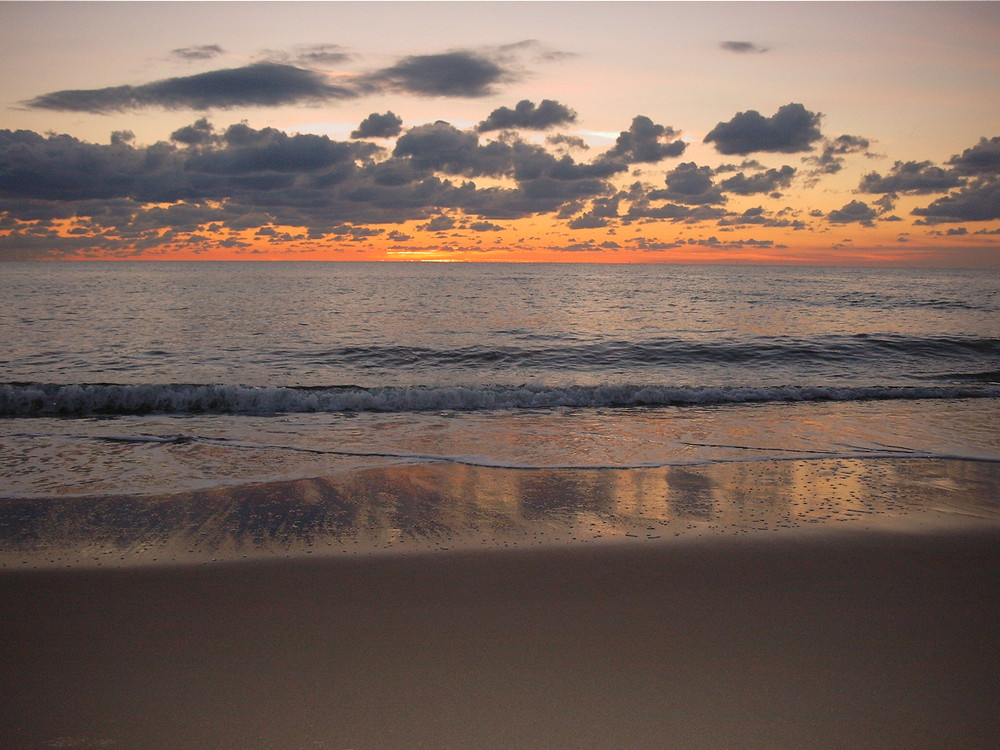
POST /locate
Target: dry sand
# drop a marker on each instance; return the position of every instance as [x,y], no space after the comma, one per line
[831,635]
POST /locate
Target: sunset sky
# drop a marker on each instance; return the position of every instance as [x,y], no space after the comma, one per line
[744,132]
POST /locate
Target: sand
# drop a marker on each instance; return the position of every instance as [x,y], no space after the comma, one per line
[840,634]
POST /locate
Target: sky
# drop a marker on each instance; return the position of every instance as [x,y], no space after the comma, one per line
[855,133]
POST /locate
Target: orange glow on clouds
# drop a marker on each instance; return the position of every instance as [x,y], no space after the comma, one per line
[468,143]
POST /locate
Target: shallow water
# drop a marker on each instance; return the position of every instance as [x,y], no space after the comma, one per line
[434,508]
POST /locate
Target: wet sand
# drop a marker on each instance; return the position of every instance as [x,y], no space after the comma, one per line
[874,632]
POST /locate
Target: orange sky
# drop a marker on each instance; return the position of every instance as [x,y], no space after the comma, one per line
[702,132]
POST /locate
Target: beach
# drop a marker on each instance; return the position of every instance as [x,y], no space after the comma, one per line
[487,507]
[500,376]
[868,630]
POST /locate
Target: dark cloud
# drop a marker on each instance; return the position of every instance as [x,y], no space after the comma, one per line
[979,201]
[198,134]
[440,223]
[458,74]
[440,146]
[601,210]
[672,212]
[831,159]
[527,116]
[886,203]
[767,181]
[567,169]
[910,177]
[269,151]
[244,177]
[485,226]
[758,216]
[202,52]
[716,243]
[567,142]
[645,141]
[241,162]
[742,167]
[122,136]
[375,125]
[743,47]
[62,168]
[690,185]
[261,84]
[854,212]
[588,221]
[792,128]
[983,158]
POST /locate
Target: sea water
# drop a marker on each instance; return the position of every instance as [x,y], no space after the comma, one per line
[132,378]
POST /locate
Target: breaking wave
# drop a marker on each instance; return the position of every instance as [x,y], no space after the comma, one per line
[52,400]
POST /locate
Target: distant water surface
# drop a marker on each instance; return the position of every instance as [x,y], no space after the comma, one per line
[387,324]
[132,377]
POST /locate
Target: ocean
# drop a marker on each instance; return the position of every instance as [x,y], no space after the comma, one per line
[140,379]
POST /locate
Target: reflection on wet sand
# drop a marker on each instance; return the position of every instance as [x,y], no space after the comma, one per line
[440,506]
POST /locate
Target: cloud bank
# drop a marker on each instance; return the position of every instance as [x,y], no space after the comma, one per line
[216,187]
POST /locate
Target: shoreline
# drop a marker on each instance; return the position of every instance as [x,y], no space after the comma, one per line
[421,508]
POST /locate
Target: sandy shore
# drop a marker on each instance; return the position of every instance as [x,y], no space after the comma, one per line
[835,635]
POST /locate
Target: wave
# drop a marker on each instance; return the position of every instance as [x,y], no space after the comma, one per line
[764,351]
[51,400]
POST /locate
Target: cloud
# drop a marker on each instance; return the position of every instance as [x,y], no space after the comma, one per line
[979,201]
[241,177]
[199,133]
[485,226]
[831,159]
[601,210]
[645,141]
[716,243]
[792,128]
[853,212]
[203,52]
[535,50]
[588,221]
[690,185]
[62,168]
[440,223]
[743,47]
[767,181]
[272,151]
[913,177]
[527,116]
[258,85]
[375,125]
[455,74]
[441,146]
[759,216]
[567,142]
[321,54]
[983,158]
